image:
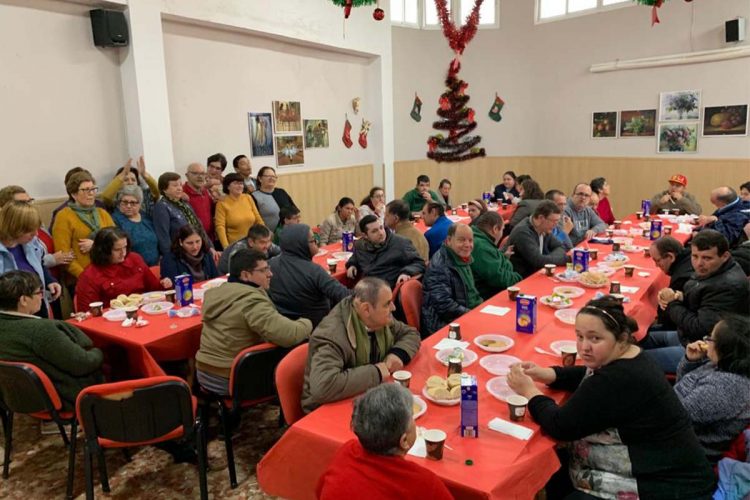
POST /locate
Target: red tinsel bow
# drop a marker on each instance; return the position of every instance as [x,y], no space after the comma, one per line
[471,116]
[654,13]
[458,39]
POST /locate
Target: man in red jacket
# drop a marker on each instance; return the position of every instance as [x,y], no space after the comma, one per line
[199,197]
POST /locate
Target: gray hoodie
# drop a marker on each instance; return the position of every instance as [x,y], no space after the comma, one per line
[583,220]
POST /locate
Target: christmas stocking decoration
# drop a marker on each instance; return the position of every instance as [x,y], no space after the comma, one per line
[416,109]
[347,137]
[363,133]
[496,107]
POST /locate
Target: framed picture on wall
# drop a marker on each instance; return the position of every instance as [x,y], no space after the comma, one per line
[678,137]
[604,125]
[316,134]
[725,120]
[287,117]
[640,123]
[679,105]
[289,150]
[261,135]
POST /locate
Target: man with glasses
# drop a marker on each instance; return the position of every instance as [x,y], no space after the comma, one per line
[563,229]
[199,197]
[586,222]
[674,260]
[533,243]
[239,314]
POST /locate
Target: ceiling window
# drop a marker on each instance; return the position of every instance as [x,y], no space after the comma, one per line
[423,13]
[553,10]
[405,13]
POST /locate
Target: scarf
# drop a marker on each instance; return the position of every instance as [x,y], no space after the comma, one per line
[187,211]
[383,339]
[463,266]
[195,264]
[88,215]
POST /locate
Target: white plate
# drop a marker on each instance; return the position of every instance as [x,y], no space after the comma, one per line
[115,315]
[616,257]
[213,283]
[604,269]
[622,241]
[498,364]
[632,248]
[341,255]
[573,278]
[562,304]
[456,218]
[157,308]
[498,387]
[153,297]
[591,285]
[322,251]
[441,402]
[572,292]
[469,356]
[559,344]
[422,406]
[493,336]
[567,316]
[636,232]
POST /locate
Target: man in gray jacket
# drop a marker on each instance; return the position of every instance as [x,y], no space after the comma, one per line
[586,222]
[357,346]
[533,243]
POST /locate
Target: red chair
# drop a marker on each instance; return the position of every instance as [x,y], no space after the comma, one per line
[137,413]
[26,389]
[409,293]
[290,377]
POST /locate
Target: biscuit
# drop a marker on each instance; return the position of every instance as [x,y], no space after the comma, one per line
[436,381]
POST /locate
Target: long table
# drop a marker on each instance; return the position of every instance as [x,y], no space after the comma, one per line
[503,467]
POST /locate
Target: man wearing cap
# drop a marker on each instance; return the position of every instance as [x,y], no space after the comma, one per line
[731,215]
[676,197]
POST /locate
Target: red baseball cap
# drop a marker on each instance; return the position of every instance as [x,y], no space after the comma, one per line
[679,179]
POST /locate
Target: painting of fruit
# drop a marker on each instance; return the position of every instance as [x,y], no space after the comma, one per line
[679,105]
[725,120]
[678,137]
[641,123]
[604,125]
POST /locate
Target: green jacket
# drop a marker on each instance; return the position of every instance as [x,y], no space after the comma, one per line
[415,200]
[492,270]
[62,351]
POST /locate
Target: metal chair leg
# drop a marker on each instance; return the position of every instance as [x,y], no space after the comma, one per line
[202,459]
[63,434]
[103,470]
[226,424]
[72,459]
[88,468]
[7,417]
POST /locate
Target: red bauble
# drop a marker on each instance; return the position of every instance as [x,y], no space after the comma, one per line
[378,14]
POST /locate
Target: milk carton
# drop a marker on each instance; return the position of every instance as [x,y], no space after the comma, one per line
[580,260]
[469,406]
[526,313]
[183,287]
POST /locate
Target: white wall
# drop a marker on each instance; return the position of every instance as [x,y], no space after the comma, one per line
[542,72]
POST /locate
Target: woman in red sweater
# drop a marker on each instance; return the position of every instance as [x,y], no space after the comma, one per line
[600,187]
[114,271]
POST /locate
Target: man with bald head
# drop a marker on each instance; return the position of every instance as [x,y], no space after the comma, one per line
[730,216]
[449,288]
[199,197]
[586,222]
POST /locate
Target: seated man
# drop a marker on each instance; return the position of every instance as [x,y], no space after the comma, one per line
[533,243]
[301,288]
[718,285]
[674,260]
[565,226]
[239,314]
[288,215]
[258,237]
[586,222]
[675,197]
[397,219]
[417,197]
[449,289]
[374,462]
[434,217]
[383,255]
[731,215]
[60,350]
[357,346]
[444,190]
[491,268]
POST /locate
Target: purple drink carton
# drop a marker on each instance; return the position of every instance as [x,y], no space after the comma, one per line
[469,406]
[183,287]
[646,206]
[526,313]
[580,260]
[347,241]
[656,229]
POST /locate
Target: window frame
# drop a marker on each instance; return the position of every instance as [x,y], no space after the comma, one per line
[455,10]
[600,7]
[405,24]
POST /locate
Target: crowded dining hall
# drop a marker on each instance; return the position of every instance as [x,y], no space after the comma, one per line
[379,249]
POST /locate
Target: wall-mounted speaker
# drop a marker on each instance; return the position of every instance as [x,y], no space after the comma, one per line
[735,30]
[110,28]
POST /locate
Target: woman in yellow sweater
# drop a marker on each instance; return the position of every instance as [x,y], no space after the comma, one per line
[236,213]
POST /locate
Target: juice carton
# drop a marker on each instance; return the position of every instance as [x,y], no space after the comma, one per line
[183,287]
[526,313]
[656,229]
[580,260]
[646,206]
[469,406]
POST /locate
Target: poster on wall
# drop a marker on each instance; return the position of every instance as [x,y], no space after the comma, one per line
[604,125]
[316,134]
[678,137]
[287,117]
[679,105]
[640,123]
[261,136]
[725,120]
[289,150]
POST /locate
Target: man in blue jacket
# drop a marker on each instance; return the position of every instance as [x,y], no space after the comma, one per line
[433,214]
[731,215]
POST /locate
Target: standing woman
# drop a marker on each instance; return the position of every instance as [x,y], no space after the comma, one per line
[136,224]
[129,176]
[236,212]
[21,249]
[189,254]
[77,224]
[342,219]
[373,204]
[600,187]
[626,433]
[269,198]
[508,189]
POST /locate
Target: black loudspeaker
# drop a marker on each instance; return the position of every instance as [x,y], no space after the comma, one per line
[110,28]
[735,30]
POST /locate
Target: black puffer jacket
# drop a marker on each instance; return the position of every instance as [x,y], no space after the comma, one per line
[679,274]
[395,256]
[445,295]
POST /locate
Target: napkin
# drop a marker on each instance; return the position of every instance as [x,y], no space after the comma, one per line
[684,229]
[447,343]
[511,429]
[496,310]
[628,289]
[419,448]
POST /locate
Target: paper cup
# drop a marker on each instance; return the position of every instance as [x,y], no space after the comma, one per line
[568,355]
[629,270]
[667,230]
[513,292]
[435,441]
[517,407]
[618,224]
[170,296]
[639,215]
[95,308]
[332,264]
[647,252]
[549,269]
[593,253]
[402,377]
[614,287]
[131,312]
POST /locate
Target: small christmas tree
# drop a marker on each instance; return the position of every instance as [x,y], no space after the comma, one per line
[458,120]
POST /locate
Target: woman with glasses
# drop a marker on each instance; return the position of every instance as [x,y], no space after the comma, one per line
[139,227]
[269,198]
[77,224]
[114,270]
[190,254]
[373,204]
[127,175]
[236,212]
[713,384]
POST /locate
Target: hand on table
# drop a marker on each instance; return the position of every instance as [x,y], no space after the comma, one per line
[393,363]
[522,383]
[538,373]
[695,351]
[55,291]
[166,283]
[84,245]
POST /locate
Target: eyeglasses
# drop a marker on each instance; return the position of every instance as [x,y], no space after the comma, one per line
[583,195]
[39,292]
[264,270]
[88,190]
[708,338]
[129,203]
[271,177]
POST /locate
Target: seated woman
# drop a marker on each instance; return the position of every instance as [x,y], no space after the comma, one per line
[627,434]
[600,187]
[190,255]
[508,189]
[476,208]
[713,384]
[59,349]
[373,204]
[114,270]
[127,175]
[236,212]
[531,195]
[129,217]
[374,462]
[342,219]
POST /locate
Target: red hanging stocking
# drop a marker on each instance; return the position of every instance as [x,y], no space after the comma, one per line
[363,133]
[347,137]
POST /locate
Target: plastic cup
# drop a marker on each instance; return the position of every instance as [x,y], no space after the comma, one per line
[131,312]
[454,212]
[549,269]
[402,377]
[513,292]
[435,442]
[170,296]
[95,308]
[464,206]
[667,230]
[618,224]
[629,270]
[593,253]
[568,355]
[639,215]
[332,264]
[614,287]
[665,211]
[517,407]
[647,233]
[615,247]
[675,211]
[647,252]
[646,216]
